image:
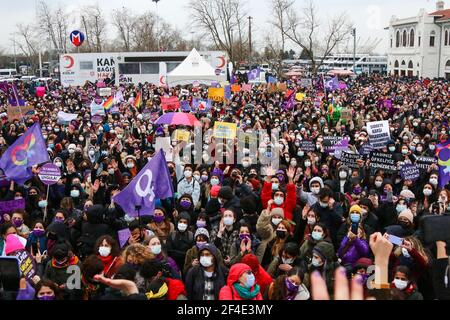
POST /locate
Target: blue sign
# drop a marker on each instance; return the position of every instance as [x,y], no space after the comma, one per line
[77,38]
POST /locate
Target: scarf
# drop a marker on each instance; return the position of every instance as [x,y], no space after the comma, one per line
[163,290]
[107,262]
[245,293]
[72,261]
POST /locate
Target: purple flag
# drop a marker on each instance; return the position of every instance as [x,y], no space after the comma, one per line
[289,105]
[443,156]
[227,90]
[30,149]
[201,105]
[184,105]
[13,94]
[153,182]
[254,74]
[123,236]
[233,79]
[332,84]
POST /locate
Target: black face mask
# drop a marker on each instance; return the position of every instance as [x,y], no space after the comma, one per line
[404,225]
[281,234]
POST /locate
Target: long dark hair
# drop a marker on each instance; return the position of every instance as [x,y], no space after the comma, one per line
[115,250]
[52,285]
[279,285]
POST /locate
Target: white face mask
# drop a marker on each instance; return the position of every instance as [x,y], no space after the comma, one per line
[315,190]
[228,221]
[343,175]
[378,184]
[156,249]
[287,261]
[182,227]
[316,262]
[130,165]
[276,221]
[427,192]
[311,221]
[400,284]
[188,174]
[104,251]
[206,261]
[434,181]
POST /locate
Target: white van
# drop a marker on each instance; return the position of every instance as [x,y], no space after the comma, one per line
[8,73]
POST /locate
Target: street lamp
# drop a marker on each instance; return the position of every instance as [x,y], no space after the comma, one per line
[157,20]
[354,49]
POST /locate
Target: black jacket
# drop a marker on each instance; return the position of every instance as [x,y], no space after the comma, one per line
[178,244]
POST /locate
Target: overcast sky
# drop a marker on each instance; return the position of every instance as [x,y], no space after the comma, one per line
[369,17]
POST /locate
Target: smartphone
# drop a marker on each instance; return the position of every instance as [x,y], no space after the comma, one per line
[9,274]
[34,247]
[389,197]
[355,228]
[395,240]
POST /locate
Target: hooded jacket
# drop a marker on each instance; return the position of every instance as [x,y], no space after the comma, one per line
[195,278]
[229,292]
[290,199]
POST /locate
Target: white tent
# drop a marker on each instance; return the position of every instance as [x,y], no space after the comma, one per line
[193,68]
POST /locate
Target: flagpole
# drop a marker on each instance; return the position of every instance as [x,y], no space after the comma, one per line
[46,205]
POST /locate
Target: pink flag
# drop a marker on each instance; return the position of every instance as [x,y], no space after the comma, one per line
[40,92]
[246,87]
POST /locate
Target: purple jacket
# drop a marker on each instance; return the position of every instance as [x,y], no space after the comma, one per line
[355,250]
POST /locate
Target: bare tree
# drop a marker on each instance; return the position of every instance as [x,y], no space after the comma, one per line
[273,52]
[124,21]
[220,20]
[94,25]
[279,18]
[54,24]
[27,43]
[316,42]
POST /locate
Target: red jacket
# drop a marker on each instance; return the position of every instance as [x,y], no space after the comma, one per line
[176,288]
[289,203]
[229,292]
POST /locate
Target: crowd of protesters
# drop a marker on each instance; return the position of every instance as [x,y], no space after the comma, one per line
[231,232]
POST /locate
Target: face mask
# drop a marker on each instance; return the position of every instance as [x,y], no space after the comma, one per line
[315,262]
[204,178]
[156,249]
[244,236]
[18,198]
[206,261]
[357,190]
[45,298]
[110,171]
[343,175]
[214,181]
[197,177]
[355,217]
[91,153]
[75,193]
[17,223]
[323,204]
[293,163]
[38,233]
[300,153]
[71,151]
[391,149]
[58,164]
[119,136]
[315,190]
[158,219]
[434,181]
[58,220]
[200,244]
[228,221]
[185,204]
[130,165]
[427,192]
[400,284]
[287,261]
[405,253]
[432,147]
[274,186]
[278,201]
[404,151]
[400,208]
[307,164]
[378,184]
[291,287]
[419,149]
[188,174]
[201,224]
[182,227]
[250,282]
[276,221]
[281,234]
[42,204]
[316,235]
[104,251]
[311,221]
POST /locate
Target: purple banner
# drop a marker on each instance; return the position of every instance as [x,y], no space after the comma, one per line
[10,206]
[49,174]
[123,236]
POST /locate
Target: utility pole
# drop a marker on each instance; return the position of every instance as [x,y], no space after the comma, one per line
[231,45]
[157,23]
[250,38]
[15,54]
[354,49]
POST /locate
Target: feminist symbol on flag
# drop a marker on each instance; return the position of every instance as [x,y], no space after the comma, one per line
[149,190]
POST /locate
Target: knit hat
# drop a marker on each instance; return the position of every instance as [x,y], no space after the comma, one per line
[252,261]
[355,208]
[215,191]
[201,231]
[277,211]
[407,194]
[184,215]
[316,179]
[407,214]
[255,183]
[325,250]
[14,243]
[226,193]
[363,263]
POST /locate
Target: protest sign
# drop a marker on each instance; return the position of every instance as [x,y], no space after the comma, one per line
[272,88]
[16,113]
[384,161]
[349,159]
[409,172]
[170,104]
[365,149]
[333,144]
[123,236]
[97,119]
[307,145]
[26,264]
[379,133]
[164,144]
[182,135]
[64,118]
[11,205]
[300,96]
[146,114]
[235,88]
[225,130]
[246,87]
[282,87]
[49,174]
[97,109]
[104,92]
[216,94]
[424,163]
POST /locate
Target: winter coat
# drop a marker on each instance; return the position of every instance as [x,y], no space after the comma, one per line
[289,203]
[192,254]
[178,244]
[228,292]
[351,251]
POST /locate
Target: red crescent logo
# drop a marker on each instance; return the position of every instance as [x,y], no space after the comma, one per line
[70,61]
[222,58]
[161,80]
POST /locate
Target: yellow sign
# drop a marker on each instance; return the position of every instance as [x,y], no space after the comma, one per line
[16,113]
[225,130]
[282,87]
[300,96]
[216,94]
[182,135]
